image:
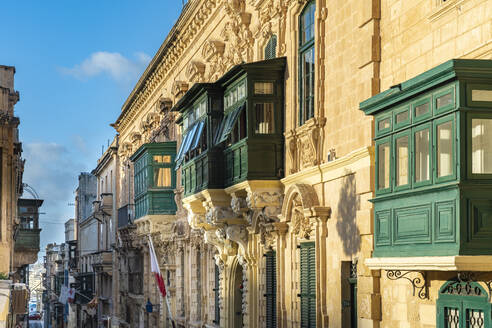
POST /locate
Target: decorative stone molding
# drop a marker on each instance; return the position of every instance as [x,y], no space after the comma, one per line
[179,89]
[260,199]
[304,144]
[238,234]
[239,205]
[171,52]
[213,52]
[215,215]
[195,71]
[301,208]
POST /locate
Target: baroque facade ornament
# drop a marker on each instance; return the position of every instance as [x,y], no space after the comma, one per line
[216,214]
[195,71]
[179,88]
[305,144]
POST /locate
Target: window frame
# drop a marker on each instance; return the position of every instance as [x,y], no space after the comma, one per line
[304,48]
[405,133]
[439,121]
[420,101]
[380,141]
[442,92]
[418,128]
[152,165]
[477,86]
[381,118]
[405,123]
[469,164]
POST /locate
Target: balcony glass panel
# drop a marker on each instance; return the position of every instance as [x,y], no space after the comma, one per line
[384,165]
[264,118]
[445,149]
[162,177]
[263,88]
[422,155]
[401,117]
[421,109]
[481,146]
[402,159]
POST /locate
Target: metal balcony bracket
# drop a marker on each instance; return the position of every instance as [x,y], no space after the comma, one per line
[419,282]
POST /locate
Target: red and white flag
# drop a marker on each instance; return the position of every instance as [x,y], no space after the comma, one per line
[155,269]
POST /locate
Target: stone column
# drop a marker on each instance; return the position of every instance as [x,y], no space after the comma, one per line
[281,229]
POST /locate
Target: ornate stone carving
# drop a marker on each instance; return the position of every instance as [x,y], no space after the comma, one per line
[216,214]
[301,225]
[238,234]
[237,34]
[304,144]
[261,199]
[195,71]
[179,88]
[238,204]
[176,47]
[213,52]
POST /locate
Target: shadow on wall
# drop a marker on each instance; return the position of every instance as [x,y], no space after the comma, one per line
[348,204]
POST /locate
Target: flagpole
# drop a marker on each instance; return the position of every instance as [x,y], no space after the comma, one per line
[151,245]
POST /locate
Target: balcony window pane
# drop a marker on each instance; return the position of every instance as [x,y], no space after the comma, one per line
[263,88]
[242,90]
[421,109]
[402,152]
[384,124]
[162,159]
[162,177]
[444,100]
[445,149]
[384,165]
[401,117]
[264,118]
[481,146]
[481,95]
[422,155]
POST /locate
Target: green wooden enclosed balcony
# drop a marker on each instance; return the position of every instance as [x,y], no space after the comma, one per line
[433,170]
[154,179]
[233,128]
[201,163]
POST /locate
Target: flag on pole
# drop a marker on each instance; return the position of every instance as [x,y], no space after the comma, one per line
[155,269]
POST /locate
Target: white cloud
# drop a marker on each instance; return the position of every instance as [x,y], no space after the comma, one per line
[52,171]
[114,64]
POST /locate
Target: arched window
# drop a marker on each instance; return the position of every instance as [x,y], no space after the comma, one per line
[271,48]
[306,63]
[463,304]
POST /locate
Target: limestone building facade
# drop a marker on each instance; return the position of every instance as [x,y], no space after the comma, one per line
[244,155]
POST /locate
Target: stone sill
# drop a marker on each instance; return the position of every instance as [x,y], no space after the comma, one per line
[432,263]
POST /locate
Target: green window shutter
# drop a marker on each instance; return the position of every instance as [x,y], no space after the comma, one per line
[308,285]
[231,119]
[271,289]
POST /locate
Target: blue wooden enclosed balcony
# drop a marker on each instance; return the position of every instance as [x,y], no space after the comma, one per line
[233,128]
[154,179]
[433,163]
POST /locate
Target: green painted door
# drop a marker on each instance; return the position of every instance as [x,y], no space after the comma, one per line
[463,304]
[308,285]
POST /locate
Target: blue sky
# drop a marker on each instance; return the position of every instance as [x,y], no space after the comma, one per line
[76,63]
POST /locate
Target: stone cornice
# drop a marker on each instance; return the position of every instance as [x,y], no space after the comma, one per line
[190,22]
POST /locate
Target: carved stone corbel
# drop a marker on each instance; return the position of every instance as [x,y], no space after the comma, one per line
[216,215]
